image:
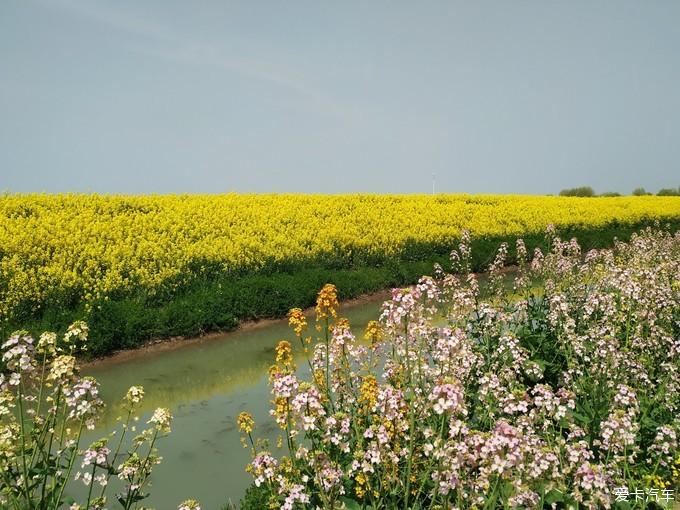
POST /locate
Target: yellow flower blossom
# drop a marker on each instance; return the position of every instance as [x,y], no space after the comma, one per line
[327,302]
[368,392]
[373,332]
[245,422]
[284,354]
[156,244]
[297,320]
[359,488]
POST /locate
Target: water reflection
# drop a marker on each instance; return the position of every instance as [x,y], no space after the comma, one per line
[206,385]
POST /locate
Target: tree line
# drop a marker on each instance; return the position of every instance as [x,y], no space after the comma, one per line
[587,191]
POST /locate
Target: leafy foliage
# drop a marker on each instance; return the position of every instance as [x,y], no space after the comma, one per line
[669,192]
[640,192]
[583,191]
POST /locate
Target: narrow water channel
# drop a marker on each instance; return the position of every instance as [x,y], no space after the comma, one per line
[206,384]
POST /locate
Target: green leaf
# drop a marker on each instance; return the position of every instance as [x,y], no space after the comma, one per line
[350,504]
[554,496]
[622,505]
[579,417]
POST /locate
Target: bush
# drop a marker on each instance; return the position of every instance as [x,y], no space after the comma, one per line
[583,191]
[610,194]
[254,499]
[669,192]
[640,192]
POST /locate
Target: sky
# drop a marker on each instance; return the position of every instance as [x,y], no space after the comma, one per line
[338,97]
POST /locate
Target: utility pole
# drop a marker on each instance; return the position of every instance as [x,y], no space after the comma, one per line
[433,181]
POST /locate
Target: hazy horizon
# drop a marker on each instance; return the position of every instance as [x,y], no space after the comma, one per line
[307,193]
[213,97]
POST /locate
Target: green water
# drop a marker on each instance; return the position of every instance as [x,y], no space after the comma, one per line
[206,385]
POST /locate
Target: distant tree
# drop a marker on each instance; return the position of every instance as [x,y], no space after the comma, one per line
[669,192]
[583,191]
[639,192]
[610,194]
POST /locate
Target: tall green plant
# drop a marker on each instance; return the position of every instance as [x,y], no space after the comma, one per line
[565,394]
[45,407]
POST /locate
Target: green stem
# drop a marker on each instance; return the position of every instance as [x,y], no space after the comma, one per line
[70,465]
[47,452]
[328,361]
[115,455]
[89,492]
[29,502]
[412,422]
[142,471]
[42,384]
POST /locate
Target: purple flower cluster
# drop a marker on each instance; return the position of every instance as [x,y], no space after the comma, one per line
[474,398]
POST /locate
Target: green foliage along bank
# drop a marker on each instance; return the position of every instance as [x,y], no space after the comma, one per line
[220,303]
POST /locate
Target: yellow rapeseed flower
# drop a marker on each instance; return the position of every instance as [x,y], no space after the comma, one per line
[284,353]
[245,422]
[156,244]
[297,320]
[327,302]
[368,392]
[373,332]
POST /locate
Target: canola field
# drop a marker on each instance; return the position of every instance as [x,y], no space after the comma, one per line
[79,252]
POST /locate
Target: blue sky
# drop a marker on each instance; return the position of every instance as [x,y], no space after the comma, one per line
[497,97]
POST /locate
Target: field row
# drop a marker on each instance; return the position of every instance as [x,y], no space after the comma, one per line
[78,252]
